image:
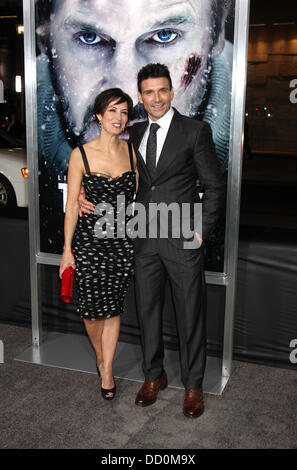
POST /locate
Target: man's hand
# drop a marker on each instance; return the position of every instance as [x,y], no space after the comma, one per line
[200,241]
[84,205]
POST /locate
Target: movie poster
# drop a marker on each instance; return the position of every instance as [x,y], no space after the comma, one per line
[86,46]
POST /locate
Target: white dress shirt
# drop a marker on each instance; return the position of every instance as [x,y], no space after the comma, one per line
[164,123]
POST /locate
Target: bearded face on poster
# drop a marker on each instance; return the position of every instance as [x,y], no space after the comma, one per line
[87,46]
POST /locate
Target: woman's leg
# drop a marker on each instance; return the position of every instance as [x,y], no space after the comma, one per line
[94,330]
[104,336]
[110,336]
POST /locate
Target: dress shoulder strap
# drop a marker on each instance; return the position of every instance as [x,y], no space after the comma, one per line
[131,156]
[85,160]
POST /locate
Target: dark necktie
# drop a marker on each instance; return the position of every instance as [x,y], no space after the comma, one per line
[151,149]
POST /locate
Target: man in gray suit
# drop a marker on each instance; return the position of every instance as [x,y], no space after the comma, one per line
[173,151]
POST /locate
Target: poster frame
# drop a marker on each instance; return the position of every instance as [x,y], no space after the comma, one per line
[226,278]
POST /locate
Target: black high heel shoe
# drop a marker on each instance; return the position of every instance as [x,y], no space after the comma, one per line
[106,391]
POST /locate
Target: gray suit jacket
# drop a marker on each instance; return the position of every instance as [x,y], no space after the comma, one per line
[188,154]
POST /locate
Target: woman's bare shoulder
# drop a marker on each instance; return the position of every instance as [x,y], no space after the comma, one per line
[76,158]
[76,152]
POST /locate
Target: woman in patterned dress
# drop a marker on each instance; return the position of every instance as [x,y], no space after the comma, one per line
[106,168]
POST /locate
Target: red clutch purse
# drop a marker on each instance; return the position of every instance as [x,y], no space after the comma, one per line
[67,284]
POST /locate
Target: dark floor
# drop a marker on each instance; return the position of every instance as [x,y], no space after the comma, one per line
[48,408]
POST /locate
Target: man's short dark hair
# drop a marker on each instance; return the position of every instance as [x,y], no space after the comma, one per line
[107,96]
[153,71]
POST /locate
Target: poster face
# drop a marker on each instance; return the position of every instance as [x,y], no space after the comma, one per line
[86,46]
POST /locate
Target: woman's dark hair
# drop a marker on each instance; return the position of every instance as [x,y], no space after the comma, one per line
[107,96]
[153,71]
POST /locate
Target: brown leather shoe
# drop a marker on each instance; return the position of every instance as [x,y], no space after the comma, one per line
[193,404]
[148,393]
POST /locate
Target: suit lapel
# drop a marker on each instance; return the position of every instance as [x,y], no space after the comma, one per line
[170,145]
[137,135]
[169,148]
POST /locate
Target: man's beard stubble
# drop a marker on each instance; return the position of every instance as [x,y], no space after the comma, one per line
[89,129]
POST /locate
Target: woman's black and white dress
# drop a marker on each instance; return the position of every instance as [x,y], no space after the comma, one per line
[104,264]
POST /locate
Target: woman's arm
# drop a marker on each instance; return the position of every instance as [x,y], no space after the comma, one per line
[74,179]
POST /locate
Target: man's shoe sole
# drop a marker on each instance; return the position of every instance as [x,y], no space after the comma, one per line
[193,416]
